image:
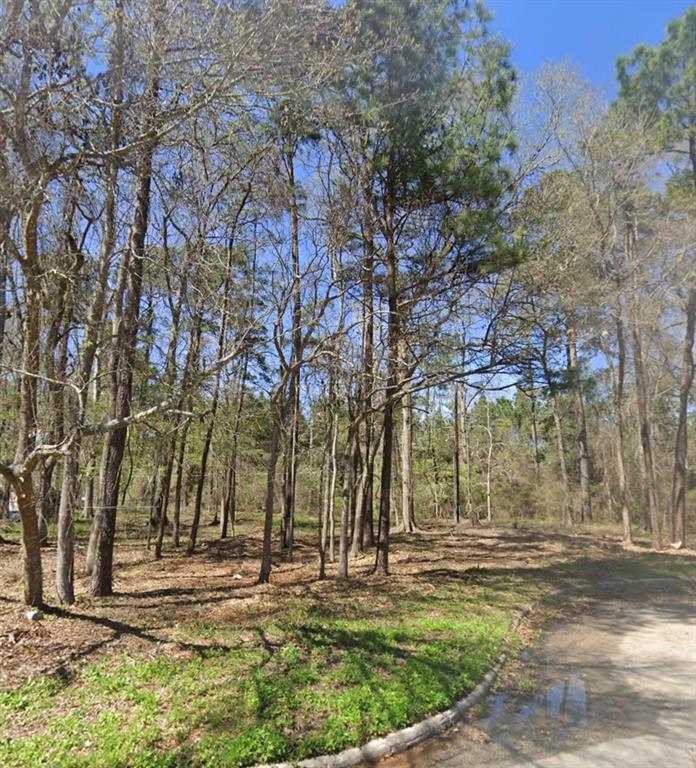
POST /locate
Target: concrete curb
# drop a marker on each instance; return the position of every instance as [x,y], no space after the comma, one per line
[406,738]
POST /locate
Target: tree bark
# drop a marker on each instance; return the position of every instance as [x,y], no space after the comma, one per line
[332,490]
[393,336]
[200,485]
[176,516]
[489,463]
[534,430]
[642,400]
[329,480]
[3,290]
[162,497]
[345,506]
[290,481]
[456,459]
[407,506]
[367,532]
[686,379]
[20,481]
[585,493]
[31,547]
[646,437]
[470,511]
[20,475]
[432,453]
[230,505]
[560,442]
[266,563]
[620,432]
[126,330]
[360,537]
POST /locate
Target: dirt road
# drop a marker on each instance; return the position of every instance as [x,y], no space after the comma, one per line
[614,688]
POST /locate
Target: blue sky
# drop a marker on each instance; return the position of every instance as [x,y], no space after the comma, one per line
[589,33]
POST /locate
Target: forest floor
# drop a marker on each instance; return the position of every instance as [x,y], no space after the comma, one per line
[191,663]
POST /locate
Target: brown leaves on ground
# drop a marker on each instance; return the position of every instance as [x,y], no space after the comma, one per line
[163,604]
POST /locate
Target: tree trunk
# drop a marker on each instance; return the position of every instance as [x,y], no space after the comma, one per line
[287,527]
[31,547]
[432,453]
[407,463]
[355,486]
[560,442]
[65,555]
[20,476]
[489,463]
[456,459]
[3,290]
[20,481]
[30,360]
[534,431]
[360,537]
[266,564]
[88,500]
[126,331]
[289,485]
[367,532]
[470,511]
[323,516]
[332,490]
[620,433]
[678,517]
[345,506]
[328,484]
[642,397]
[193,534]
[162,498]
[176,517]
[230,508]
[646,437]
[393,336]
[585,493]
[65,551]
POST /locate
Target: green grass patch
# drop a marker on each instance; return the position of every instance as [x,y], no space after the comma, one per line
[314,683]
[325,673]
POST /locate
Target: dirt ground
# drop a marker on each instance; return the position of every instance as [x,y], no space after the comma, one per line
[157,602]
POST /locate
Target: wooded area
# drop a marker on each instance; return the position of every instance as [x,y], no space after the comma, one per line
[327,342]
[297,259]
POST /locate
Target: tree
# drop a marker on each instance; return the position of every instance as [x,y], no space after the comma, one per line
[435,136]
[659,81]
[679,484]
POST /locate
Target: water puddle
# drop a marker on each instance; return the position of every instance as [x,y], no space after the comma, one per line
[517,724]
[560,704]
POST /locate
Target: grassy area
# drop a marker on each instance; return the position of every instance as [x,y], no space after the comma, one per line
[296,669]
[315,683]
